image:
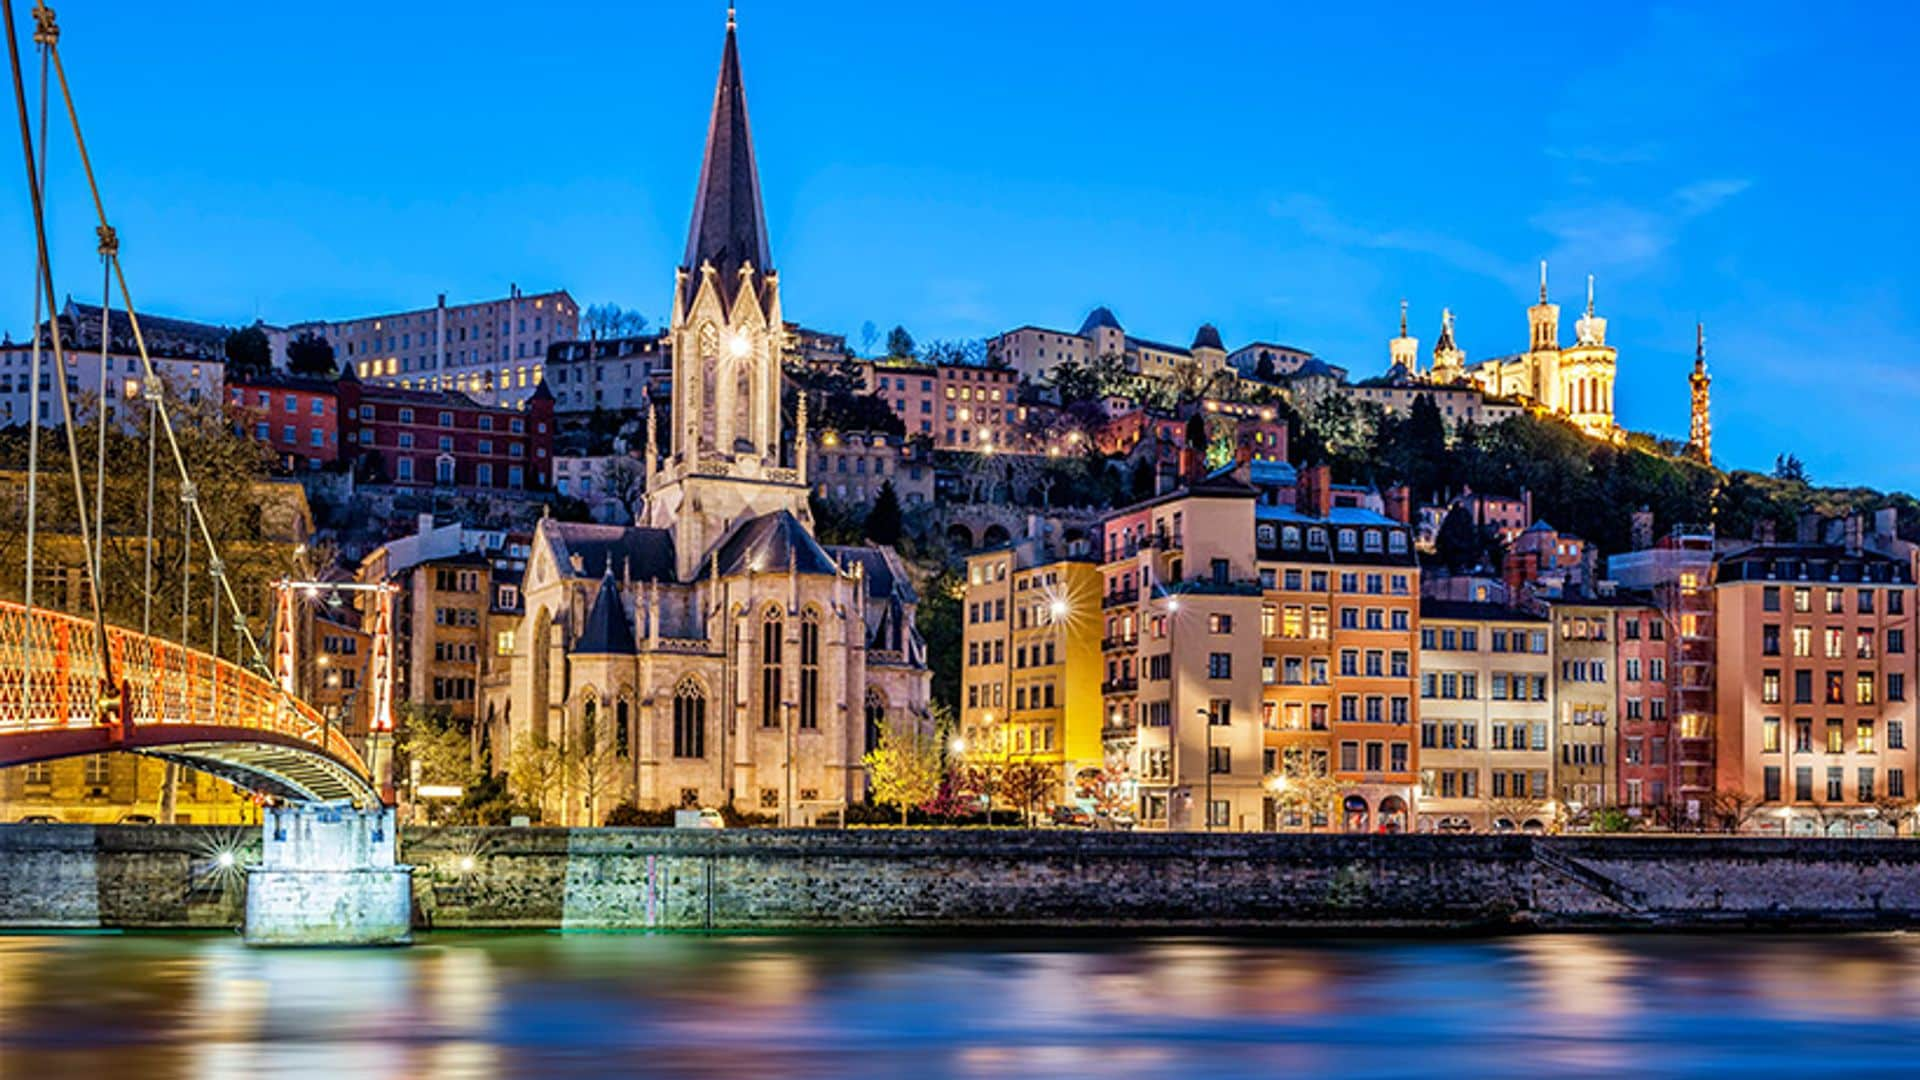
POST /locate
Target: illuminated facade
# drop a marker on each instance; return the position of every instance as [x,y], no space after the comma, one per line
[494,350]
[714,653]
[1486,717]
[1700,431]
[1573,382]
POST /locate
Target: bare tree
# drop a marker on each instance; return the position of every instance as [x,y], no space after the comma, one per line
[1735,809]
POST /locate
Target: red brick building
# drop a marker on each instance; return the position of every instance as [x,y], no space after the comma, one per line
[298,416]
[1643,641]
[447,439]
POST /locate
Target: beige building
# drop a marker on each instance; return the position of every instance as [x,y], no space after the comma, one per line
[1486,718]
[1035,351]
[851,468]
[492,350]
[1586,698]
[715,654]
[1182,662]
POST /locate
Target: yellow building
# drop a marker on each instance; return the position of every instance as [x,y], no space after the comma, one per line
[1032,667]
[1486,718]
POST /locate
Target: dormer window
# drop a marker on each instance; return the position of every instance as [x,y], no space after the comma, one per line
[1290,536]
[1316,539]
[1346,540]
[1397,543]
[1264,534]
[1371,541]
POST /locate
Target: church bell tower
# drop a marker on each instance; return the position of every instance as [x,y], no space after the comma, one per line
[726,333]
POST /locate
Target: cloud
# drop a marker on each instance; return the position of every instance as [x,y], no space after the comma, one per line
[1623,238]
[1638,154]
[1315,218]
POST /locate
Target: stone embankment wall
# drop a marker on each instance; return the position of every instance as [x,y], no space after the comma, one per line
[953,879]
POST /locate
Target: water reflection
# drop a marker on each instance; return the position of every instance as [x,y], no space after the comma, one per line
[831,1006]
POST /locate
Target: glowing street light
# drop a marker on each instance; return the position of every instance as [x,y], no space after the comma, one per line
[739,345]
[959,745]
[1058,609]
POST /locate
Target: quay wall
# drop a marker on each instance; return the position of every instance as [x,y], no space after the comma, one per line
[164,877]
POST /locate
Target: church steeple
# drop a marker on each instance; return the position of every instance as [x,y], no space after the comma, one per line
[729,228]
[1403,352]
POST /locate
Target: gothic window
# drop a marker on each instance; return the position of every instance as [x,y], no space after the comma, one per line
[622,736]
[772,649]
[876,714]
[689,720]
[743,433]
[810,670]
[589,722]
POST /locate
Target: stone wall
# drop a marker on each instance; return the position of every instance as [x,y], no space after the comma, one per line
[953,879]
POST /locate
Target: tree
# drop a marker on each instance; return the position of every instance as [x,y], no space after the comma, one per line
[1028,785]
[900,344]
[884,521]
[940,622]
[249,352]
[905,766]
[536,771]
[1735,809]
[311,354]
[1460,545]
[594,763]
[1109,788]
[1894,811]
[1515,810]
[626,483]
[1263,369]
[606,321]
[1789,468]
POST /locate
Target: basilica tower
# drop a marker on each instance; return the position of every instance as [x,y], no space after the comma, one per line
[1586,374]
[1700,434]
[1404,352]
[1543,351]
[1449,361]
[724,464]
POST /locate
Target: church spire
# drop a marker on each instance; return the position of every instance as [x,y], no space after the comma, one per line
[729,228]
[1543,281]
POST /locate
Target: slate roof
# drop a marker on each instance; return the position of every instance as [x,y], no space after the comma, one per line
[729,227]
[628,552]
[608,631]
[1208,338]
[770,543]
[1097,319]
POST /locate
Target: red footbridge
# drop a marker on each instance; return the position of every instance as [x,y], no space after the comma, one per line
[165,701]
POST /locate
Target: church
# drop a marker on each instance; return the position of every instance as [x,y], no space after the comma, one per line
[714,653]
[1573,382]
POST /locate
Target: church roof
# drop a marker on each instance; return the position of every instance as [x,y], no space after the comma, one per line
[608,631]
[729,227]
[1100,318]
[1208,338]
[770,543]
[628,552]
[879,566]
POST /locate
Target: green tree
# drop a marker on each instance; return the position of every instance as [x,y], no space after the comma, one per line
[1460,545]
[939,620]
[900,344]
[311,354]
[248,351]
[905,766]
[884,520]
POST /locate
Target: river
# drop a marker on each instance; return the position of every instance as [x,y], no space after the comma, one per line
[483,1005]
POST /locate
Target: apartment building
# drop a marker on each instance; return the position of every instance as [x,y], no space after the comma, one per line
[852,468]
[1815,714]
[1677,571]
[1486,718]
[1041,704]
[1586,696]
[445,438]
[1643,645]
[1034,351]
[493,350]
[613,373]
[957,406]
[1340,590]
[1180,596]
[185,379]
[297,416]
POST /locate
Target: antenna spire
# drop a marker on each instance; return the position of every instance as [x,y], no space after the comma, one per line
[1700,344]
[1543,281]
[730,17]
[1589,296]
[1403,318]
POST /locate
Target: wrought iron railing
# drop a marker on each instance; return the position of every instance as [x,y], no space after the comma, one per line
[51,677]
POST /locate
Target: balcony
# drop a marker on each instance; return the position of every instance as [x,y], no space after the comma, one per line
[1120,686]
[1112,643]
[1120,599]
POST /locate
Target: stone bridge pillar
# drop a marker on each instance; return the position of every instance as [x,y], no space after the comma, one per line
[328,876]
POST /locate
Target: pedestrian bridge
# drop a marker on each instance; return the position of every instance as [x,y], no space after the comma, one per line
[170,702]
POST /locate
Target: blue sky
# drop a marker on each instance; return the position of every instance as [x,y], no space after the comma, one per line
[1286,173]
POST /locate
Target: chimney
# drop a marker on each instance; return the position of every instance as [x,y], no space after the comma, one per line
[1399,500]
[1856,526]
[1315,498]
[423,524]
[1642,529]
[1808,527]
[1886,522]
[1526,502]
[1764,531]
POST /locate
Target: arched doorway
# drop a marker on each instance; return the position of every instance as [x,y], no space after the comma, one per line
[995,536]
[1393,814]
[960,537]
[1358,815]
[876,714]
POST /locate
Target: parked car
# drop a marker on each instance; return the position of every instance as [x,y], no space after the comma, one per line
[137,819]
[704,818]
[39,819]
[1072,817]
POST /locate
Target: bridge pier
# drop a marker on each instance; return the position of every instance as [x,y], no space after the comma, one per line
[328,876]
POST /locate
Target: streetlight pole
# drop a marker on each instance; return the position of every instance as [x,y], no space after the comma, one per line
[786,736]
[1206,720]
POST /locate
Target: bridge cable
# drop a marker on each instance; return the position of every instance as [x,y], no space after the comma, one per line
[33,391]
[197,518]
[110,687]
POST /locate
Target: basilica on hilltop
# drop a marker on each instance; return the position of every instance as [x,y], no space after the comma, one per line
[714,653]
